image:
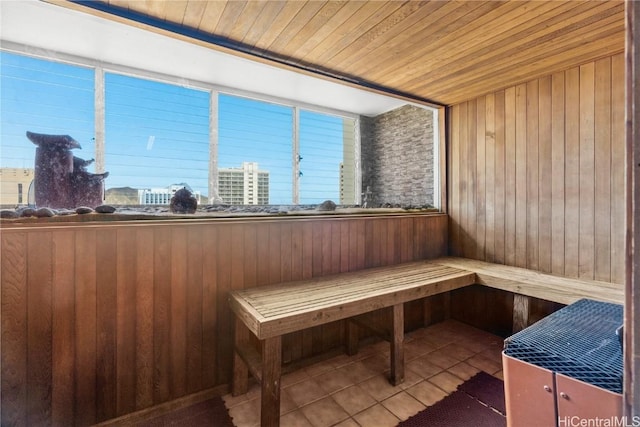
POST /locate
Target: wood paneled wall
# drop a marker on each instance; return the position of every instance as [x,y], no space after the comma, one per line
[537,174]
[101,320]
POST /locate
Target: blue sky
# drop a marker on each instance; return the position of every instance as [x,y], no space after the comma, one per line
[43,97]
[156,134]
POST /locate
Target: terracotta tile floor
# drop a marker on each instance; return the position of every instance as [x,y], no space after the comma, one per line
[354,390]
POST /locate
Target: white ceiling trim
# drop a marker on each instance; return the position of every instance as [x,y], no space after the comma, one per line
[57,30]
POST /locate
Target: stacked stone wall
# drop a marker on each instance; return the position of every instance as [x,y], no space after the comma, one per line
[397,156]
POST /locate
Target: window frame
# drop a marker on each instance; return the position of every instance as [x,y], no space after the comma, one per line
[102,68]
[440,123]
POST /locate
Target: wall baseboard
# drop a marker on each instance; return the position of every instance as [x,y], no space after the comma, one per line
[167,407]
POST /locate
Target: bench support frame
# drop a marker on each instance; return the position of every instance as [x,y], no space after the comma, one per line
[267,369]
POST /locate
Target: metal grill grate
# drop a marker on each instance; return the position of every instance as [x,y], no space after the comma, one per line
[578,341]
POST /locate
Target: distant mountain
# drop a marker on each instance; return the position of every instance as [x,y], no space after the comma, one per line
[121,196]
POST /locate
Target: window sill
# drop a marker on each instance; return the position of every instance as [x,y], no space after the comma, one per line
[206,212]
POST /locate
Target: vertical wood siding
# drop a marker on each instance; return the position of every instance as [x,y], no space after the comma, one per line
[102,320]
[537,174]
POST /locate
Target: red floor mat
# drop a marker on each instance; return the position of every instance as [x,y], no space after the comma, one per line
[479,402]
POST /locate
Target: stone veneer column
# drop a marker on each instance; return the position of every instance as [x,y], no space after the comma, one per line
[397,156]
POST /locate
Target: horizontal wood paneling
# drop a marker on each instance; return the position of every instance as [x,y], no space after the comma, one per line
[100,320]
[537,174]
[444,51]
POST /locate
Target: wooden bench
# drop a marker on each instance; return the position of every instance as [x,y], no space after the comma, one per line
[526,284]
[564,290]
[272,311]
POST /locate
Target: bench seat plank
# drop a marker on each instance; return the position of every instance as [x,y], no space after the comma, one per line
[532,283]
[277,310]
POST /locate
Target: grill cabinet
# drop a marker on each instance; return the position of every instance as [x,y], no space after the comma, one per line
[567,365]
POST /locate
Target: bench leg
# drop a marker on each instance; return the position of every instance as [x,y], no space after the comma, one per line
[520,312]
[271,370]
[240,380]
[352,337]
[397,345]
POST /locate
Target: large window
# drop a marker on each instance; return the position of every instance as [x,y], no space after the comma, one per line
[160,137]
[156,139]
[156,134]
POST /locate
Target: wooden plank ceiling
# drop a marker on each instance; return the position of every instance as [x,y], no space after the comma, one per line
[444,51]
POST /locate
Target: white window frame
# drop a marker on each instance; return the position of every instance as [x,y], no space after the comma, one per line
[101,68]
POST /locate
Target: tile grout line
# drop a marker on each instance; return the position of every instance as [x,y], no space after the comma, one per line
[469,335]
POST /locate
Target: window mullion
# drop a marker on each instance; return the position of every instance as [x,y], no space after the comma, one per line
[214,197]
[99,117]
[357,164]
[296,155]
